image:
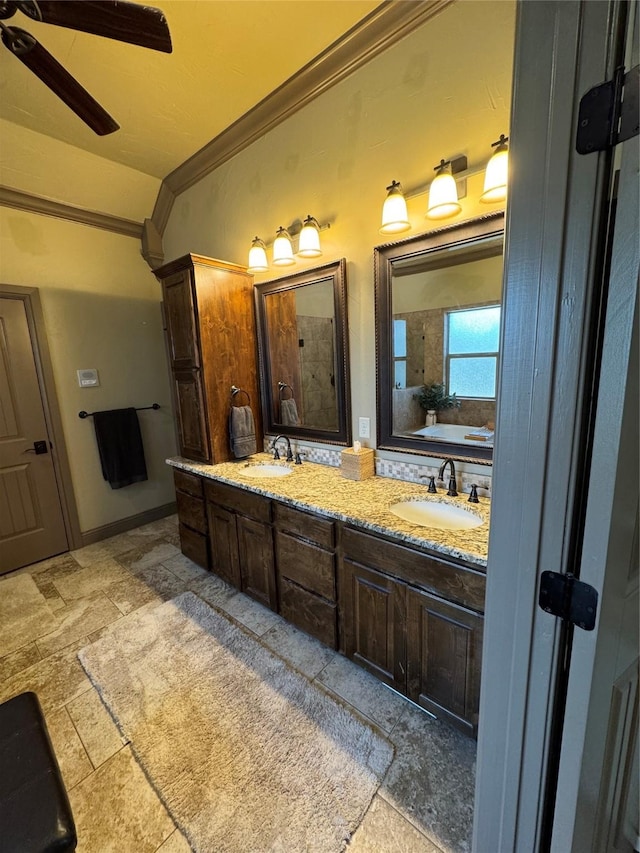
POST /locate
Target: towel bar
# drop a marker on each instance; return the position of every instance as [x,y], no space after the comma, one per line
[84,414]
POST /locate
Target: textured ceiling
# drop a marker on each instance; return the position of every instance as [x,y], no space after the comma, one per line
[227,56]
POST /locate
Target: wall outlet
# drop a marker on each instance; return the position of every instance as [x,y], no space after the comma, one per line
[364,428]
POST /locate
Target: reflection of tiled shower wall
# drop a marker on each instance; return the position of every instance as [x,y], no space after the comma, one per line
[425,346]
[317,366]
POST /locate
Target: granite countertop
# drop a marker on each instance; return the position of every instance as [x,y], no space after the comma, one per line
[322,489]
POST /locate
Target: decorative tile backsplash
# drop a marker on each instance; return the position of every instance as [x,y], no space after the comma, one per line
[410,472]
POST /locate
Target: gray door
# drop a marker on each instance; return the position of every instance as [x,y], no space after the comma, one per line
[31,520]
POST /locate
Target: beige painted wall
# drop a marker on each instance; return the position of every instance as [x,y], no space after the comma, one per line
[47,167]
[444,90]
[101,306]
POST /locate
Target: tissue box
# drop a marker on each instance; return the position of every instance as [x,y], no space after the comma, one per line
[358,465]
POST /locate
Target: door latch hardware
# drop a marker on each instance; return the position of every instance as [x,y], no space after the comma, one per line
[564,596]
[608,112]
[40,447]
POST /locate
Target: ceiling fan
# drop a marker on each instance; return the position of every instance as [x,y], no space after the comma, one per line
[128,22]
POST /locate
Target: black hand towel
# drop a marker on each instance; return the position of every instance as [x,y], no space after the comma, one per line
[120,447]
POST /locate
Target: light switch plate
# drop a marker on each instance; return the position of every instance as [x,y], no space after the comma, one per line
[364,429]
[88,377]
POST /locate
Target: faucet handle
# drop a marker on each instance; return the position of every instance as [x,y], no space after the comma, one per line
[473,497]
[431,488]
[276,453]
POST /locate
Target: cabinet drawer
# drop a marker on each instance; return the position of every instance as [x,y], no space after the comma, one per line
[306,564]
[453,582]
[191,511]
[318,530]
[311,614]
[246,503]
[195,546]
[189,483]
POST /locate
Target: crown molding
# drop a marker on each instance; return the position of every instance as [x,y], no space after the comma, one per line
[386,25]
[45,206]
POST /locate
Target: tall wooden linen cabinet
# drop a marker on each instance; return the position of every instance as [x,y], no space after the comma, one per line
[211,332]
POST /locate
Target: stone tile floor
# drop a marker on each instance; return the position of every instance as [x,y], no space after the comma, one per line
[424,804]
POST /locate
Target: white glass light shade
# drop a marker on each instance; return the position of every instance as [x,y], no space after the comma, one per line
[282,250]
[309,241]
[394,211]
[257,257]
[495,177]
[443,197]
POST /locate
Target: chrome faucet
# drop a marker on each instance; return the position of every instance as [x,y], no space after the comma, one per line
[453,486]
[274,447]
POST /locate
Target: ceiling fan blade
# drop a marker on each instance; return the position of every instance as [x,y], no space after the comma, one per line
[128,22]
[30,52]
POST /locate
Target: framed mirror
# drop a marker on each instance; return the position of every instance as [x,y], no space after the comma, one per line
[438,305]
[303,354]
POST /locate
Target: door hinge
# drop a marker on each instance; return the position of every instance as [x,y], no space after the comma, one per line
[608,113]
[564,596]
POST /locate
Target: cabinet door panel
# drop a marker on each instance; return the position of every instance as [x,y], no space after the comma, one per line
[255,552]
[189,483]
[444,645]
[193,435]
[224,544]
[308,612]
[191,512]
[195,546]
[179,312]
[307,565]
[372,620]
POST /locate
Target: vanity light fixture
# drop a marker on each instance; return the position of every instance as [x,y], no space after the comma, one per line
[443,192]
[309,241]
[307,245]
[258,256]
[495,176]
[394,211]
[282,249]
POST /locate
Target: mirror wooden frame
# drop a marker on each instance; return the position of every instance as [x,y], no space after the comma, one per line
[454,236]
[337,273]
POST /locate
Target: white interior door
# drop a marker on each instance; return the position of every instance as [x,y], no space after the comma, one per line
[31,518]
[597,805]
[553,237]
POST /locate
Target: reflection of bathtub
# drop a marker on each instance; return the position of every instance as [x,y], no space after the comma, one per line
[455,433]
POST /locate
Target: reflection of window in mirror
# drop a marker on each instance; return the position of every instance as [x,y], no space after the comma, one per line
[400,353]
[471,352]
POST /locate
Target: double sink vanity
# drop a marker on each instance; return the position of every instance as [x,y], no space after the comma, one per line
[336,558]
[380,569]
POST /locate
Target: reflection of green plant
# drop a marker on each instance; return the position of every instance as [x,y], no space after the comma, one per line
[434,396]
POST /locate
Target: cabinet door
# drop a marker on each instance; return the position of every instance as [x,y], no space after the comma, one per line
[255,552]
[180,317]
[223,538]
[372,614]
[193,435]
[444,655]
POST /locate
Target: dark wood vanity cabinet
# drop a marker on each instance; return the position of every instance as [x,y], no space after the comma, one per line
[444,657]
[408,618]
[211,335]
[192,517]
[241,540]
[372,609]
[306,571]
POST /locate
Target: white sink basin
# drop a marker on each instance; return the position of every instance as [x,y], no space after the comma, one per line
[435,514]
[265,470]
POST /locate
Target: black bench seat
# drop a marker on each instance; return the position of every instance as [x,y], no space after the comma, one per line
[35,815]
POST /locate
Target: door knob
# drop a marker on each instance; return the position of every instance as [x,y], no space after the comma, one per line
[38,448]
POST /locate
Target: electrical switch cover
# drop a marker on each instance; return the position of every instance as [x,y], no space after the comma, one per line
[364,429]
